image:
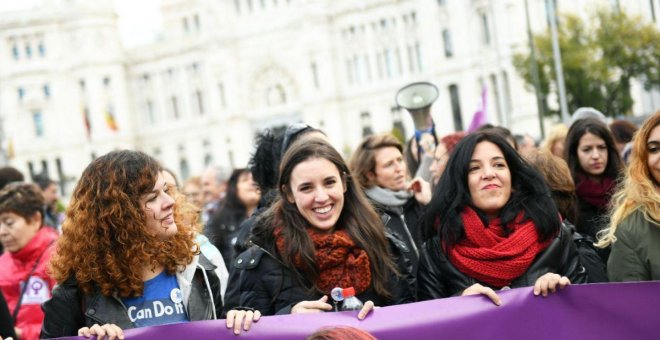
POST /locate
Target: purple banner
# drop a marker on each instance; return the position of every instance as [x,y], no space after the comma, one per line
[596,311]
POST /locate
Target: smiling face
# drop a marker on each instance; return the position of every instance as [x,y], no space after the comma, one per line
[592,154]
[158,208]
[16,231]
[653,147]
[317,190]
[390,169]
[489,179]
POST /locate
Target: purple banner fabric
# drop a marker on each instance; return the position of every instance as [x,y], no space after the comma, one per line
[596,311]
[480,117]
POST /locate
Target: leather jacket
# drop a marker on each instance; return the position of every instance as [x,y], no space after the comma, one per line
[69,309]
[438,278]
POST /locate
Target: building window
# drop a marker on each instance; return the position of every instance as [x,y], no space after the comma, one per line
[28,50]
[31,169]
[184,169]
[249,5]
[106,82]
[221,92]
[14,51]
[38,121]
[21,93]
[81,84]
[315,75]
[389,62]
[365,120]
[349,70]
[46,91]
[199,101]
[446,40]
[485,31]
[442,2]
[418,53]
[196,21]
[456,107]
[150,112]
[397,126]
[411,58]
[237,5]
[174,105]
[42,49]
[44,168]
[185,25]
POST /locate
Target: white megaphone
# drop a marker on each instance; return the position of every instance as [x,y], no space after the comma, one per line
[417,99]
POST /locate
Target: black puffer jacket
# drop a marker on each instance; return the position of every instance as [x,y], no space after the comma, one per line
[438,278]
[69,309]
[267,285]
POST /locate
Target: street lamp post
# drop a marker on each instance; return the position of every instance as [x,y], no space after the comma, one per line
[535,72]
[550,8]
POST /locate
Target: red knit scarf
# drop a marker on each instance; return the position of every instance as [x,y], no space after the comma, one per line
[340,261]
[489,256]
[595,193]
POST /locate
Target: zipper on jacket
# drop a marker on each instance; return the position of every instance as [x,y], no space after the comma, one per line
[412,241]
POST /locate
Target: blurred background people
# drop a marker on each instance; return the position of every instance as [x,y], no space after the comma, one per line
[623,132]
[634,230]
[192,189]
[8,175]
[241,199]
[554,142]
[442,152]
[526,144]
[24,279]
[595,165]
[53,209]
[214,186]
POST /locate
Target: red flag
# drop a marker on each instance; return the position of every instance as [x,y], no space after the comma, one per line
[110,118]
[88,126]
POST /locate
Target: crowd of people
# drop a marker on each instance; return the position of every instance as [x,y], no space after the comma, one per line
[136,247]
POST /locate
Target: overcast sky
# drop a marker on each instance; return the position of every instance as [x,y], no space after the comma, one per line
[139,20]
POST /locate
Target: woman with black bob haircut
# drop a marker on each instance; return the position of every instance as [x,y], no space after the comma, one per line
[495,226]
[320,233]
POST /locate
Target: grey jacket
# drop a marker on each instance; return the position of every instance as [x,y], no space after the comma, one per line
[69,310]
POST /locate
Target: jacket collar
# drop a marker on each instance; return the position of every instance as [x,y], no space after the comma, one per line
[37,245]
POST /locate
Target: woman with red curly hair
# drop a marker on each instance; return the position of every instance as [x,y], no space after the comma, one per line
[125,258]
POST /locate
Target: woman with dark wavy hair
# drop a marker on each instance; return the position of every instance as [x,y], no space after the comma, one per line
[125,258]
[495,226]
[240,201]
[320,233]
[595,164]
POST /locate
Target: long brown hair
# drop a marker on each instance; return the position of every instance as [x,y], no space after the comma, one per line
[104,240]
[357,217]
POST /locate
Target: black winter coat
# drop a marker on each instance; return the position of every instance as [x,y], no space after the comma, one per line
[438,278]
[69,309]
[404,225]
[267,285]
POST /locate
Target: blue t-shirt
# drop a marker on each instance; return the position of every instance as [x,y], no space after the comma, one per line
[161,303]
